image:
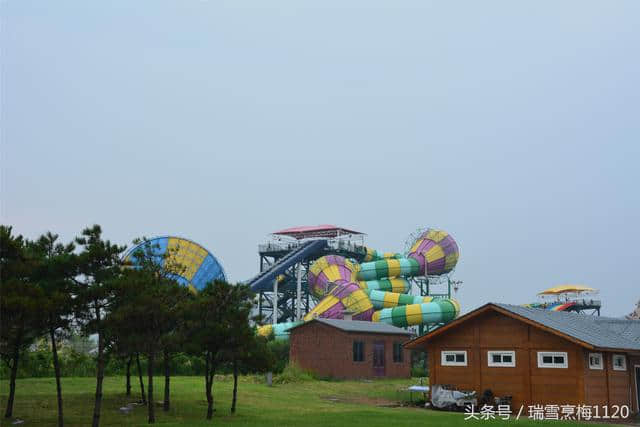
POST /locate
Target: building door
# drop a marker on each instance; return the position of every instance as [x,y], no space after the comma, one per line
[638,385]
[378,359]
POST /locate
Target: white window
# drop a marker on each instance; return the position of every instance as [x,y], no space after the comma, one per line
[595,361]
[553,359]
[501,358]
[453,358]
[619,362]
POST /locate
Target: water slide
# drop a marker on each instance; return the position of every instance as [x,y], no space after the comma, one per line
[280,331]
[552,306]
[200,265]
[569,298]
[377,290]
[264,280]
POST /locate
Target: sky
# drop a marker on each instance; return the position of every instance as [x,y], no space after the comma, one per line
[515,126]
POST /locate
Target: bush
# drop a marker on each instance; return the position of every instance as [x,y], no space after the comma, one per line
[183,364]
[418,372]
[77,359]
[74,364]
[419,364]
[38,362]
[280,351]
[292,374]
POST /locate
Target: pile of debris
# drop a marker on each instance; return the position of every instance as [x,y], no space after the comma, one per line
[447,397]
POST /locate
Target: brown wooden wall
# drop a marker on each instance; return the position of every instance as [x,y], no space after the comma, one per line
[619,384]
[328,352]
[527,383]
[595,381]
[610,387]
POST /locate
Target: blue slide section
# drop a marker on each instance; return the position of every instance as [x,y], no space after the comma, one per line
[264,280]
[209,270]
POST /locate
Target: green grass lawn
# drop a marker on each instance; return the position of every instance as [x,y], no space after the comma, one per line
[311,403]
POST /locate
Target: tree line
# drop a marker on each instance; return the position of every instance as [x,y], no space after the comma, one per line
[50,289]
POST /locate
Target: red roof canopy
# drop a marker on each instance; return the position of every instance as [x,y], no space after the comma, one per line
[324,230]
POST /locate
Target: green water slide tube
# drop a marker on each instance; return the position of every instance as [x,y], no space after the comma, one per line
[437,311]
[397,284]
[397,267]
[280,330]
[382,299]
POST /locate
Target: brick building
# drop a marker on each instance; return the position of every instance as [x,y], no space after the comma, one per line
[538,356]
[350,349]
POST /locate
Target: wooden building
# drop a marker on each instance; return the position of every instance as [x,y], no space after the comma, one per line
[539,357]
[344,349]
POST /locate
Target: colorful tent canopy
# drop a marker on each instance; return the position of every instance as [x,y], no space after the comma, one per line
[562,289]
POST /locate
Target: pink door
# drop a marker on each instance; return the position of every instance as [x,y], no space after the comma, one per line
[378,359]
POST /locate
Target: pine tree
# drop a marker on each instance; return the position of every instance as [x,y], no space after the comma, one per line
[148,297]
[54,275]
[20,300]
[98,265]
[209,329]
[242,340]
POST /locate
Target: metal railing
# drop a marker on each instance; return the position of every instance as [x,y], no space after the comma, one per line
[335,244]
[345,245]
[275,247]
[589,302]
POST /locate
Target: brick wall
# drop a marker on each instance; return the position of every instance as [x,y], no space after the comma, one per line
[328,352]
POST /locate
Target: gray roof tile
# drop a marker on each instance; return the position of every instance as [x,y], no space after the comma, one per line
[599,331]
[361,326]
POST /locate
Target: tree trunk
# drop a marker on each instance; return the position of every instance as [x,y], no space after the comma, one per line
[12,383]
[235,386]
[56,368]
[99,380]
[150,403]
[142,393]
[129,375]
[167,373]
[208,385]
[100,371]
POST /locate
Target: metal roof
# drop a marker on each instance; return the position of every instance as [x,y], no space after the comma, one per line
[598,331]
[358,326]
[324,230]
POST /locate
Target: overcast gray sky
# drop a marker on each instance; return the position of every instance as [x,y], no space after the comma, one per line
[513,125]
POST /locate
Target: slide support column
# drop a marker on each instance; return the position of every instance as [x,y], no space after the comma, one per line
[299,293]
[274,314]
